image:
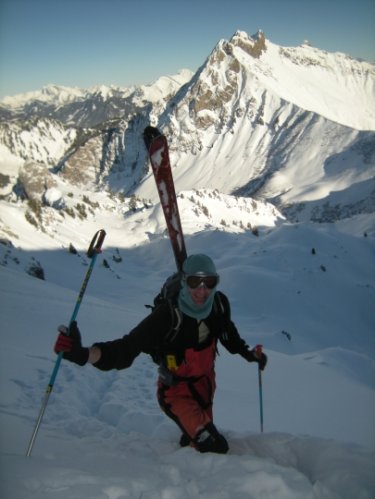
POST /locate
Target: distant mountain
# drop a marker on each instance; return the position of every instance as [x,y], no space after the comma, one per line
[290,126]
[89,107]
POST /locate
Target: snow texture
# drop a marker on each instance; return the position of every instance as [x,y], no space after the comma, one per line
[103,435]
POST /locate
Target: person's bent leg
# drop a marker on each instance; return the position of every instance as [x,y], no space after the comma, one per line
[196,423]
[185,412]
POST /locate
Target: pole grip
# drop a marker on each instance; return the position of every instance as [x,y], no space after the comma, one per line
[96,243]
[258,350]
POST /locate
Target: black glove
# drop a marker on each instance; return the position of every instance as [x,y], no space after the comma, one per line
[254,356]
[69,342]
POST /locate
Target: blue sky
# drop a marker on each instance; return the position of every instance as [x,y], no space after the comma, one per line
[82,43]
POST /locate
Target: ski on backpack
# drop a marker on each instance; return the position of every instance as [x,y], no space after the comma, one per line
[157,147]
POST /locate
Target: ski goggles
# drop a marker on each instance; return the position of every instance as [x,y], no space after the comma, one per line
[196,280]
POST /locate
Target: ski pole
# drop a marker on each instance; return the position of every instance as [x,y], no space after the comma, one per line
[92,253]
[258,353]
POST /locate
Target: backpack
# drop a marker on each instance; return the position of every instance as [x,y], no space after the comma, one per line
[169,291]
[169,294]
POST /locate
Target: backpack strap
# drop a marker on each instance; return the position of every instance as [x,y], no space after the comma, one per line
[223,308]
[176,321]
[218,305]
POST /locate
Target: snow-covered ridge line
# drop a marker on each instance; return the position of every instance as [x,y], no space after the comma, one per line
[59,95]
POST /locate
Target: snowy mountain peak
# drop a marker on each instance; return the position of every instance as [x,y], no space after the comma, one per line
[253,45]
[245,69]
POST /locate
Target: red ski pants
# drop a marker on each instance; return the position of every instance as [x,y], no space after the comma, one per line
[188,403]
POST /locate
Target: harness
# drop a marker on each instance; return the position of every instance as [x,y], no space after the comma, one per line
[168,359]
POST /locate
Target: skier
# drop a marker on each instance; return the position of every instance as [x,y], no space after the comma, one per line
[182,339]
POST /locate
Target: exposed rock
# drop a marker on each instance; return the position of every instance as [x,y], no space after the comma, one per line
[253,46]
[35,179]
[79,169]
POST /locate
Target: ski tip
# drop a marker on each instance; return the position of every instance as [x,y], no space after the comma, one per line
[150,133]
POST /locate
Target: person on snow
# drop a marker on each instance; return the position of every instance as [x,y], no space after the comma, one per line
[185,353]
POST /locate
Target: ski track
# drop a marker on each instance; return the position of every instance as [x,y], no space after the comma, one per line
[103,434]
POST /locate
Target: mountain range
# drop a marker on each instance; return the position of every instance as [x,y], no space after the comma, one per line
[289,127]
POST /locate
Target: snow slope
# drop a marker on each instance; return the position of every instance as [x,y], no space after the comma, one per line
[103,435]
[333,85]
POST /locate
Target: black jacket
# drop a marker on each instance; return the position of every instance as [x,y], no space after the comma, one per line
[152,336]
